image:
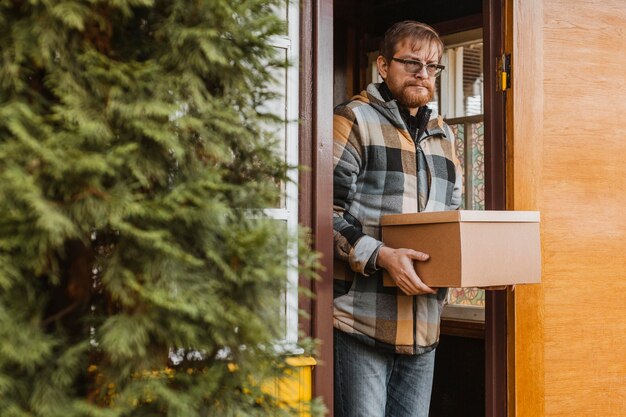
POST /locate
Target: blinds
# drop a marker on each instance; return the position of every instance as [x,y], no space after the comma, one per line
[461,84]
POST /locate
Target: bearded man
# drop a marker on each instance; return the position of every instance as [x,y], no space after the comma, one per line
[389,157]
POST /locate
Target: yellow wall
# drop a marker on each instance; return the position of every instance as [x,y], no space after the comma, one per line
[569,347]
[294,389]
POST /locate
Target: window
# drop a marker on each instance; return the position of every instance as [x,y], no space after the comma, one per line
[286,211]
[460,86]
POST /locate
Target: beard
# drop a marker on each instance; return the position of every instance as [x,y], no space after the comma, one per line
[411,98]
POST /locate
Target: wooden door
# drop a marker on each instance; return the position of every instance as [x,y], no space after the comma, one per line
[565,141]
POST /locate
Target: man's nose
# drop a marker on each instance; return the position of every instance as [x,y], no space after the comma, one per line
[422,73]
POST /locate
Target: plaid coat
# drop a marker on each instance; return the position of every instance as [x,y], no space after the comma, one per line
[375,173]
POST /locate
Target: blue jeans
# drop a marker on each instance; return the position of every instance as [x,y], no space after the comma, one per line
[372,383]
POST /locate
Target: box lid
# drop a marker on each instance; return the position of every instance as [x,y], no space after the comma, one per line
[455,216]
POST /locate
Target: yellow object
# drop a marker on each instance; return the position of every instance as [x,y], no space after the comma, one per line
[294,388]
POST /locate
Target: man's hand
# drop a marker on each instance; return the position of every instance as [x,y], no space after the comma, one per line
[399,265]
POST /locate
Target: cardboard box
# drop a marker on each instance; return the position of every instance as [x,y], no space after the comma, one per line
[469,248]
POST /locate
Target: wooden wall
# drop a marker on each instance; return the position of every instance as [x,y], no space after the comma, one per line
[569,161]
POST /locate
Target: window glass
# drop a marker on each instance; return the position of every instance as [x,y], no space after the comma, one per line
[460,86]
[277,106]
[285,212]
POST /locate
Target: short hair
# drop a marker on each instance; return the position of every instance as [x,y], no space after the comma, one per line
[409,29]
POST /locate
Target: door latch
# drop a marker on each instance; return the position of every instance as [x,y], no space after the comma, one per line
[504,72]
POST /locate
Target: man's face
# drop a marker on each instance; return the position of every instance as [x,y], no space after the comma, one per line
[411,90]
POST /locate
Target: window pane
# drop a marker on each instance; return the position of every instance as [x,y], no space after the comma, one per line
[288,313]
[470,137]
[473,79]
[466,296]
[277,106]
[460,86]
[477,140]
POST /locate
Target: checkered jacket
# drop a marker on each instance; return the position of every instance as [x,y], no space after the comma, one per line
[375,173]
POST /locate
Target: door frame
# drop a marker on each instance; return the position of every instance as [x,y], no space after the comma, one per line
[316,105]
[495,199]
[316,184]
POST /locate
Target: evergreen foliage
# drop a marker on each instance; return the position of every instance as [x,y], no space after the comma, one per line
[133,167]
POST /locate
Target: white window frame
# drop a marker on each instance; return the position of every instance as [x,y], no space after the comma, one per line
[289,211]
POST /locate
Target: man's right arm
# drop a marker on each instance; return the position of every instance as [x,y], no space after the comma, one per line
[363,253]
[350,243]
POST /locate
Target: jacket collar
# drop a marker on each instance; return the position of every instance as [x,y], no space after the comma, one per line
[384,103]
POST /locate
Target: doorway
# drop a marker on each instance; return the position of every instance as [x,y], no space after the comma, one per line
[470,372]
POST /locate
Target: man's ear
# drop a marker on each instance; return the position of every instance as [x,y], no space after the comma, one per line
[381,64]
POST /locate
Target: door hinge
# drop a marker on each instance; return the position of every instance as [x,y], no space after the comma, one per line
[503,79]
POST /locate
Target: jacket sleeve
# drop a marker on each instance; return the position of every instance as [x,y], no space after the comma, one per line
[350,243]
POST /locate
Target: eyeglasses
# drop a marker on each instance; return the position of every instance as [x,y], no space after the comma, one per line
[415,67]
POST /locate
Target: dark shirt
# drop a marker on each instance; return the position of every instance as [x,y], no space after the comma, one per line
[415,124]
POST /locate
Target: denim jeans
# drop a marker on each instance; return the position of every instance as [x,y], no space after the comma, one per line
[372,383]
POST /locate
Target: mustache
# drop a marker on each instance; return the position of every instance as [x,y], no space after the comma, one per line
[417,84]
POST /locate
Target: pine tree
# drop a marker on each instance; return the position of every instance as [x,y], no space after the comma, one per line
[134,165]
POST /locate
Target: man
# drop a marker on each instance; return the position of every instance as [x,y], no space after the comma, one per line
[389,158]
